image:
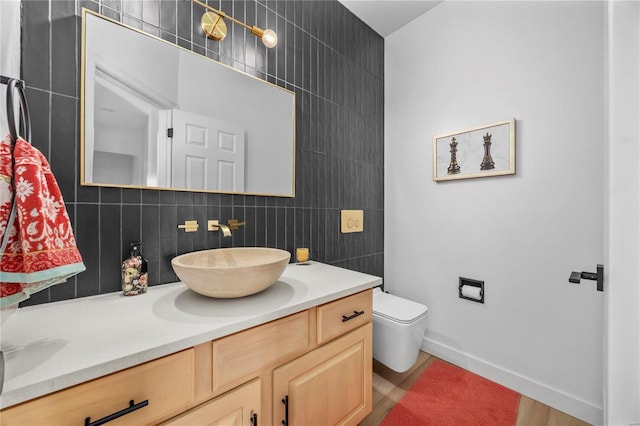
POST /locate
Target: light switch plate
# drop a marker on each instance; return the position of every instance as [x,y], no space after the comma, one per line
[351,221]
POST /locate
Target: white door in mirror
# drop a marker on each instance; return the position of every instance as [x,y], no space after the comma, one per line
[206,153]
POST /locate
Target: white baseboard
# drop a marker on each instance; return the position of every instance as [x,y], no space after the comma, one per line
[526,386]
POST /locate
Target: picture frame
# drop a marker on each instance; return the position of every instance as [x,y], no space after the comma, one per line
[482,151]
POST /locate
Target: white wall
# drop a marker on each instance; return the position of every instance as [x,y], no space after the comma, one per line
[9,50]
[622,357]
[465,64]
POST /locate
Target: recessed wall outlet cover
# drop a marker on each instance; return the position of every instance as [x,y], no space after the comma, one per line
[351,221]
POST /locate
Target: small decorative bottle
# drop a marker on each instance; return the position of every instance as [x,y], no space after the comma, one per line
[134,272]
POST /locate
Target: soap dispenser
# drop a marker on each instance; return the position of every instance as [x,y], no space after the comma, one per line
[134,272]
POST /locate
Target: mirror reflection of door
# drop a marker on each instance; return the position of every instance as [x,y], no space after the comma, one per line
[206,153]
[125,116]
[122,120]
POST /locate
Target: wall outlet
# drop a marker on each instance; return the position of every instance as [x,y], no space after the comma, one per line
[351,221]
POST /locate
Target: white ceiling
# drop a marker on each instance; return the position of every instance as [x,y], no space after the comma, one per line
[386,16]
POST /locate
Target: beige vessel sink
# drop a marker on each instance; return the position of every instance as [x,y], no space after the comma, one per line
[230,272]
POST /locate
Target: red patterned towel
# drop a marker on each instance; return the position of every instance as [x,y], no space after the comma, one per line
[41,249]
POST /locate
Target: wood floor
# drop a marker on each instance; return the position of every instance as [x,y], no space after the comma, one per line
[389,387]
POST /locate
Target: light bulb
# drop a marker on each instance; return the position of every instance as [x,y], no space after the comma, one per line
[269,38]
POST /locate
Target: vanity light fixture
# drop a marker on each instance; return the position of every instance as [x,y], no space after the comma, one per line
[215,28]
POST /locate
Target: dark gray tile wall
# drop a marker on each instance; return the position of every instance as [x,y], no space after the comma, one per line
[328,57]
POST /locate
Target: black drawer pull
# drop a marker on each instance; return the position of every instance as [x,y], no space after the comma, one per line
[132,407]
[254,420]
[350,317]
[285,401]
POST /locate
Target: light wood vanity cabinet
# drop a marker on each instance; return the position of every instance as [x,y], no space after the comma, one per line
[319,359]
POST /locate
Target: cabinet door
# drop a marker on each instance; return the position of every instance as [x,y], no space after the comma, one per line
[239,407]
[328,386]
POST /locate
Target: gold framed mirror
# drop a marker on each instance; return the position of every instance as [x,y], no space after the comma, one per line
[157,116]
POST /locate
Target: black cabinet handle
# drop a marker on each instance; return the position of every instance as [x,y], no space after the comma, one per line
[254,419]
[131,408]
[350,317]
[285,401]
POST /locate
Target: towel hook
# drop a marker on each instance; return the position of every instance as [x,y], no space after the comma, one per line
[14,83]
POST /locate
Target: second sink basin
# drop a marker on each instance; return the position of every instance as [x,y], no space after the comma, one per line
[230,272]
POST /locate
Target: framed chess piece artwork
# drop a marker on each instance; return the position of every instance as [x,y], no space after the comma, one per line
[481,151]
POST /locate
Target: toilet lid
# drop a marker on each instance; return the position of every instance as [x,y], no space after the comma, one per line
[396,308]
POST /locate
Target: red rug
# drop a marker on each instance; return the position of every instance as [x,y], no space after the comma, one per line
[447,395]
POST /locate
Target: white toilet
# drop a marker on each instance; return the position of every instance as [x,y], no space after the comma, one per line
[398,328]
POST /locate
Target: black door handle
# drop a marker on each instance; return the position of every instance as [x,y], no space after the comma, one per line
[598,276]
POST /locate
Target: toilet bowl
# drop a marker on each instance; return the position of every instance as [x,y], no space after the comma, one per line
[398,328]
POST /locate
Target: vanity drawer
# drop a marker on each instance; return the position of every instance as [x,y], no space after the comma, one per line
[343,315]
[239,357]
[166,383]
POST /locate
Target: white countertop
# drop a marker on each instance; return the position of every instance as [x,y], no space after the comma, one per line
[56,345]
